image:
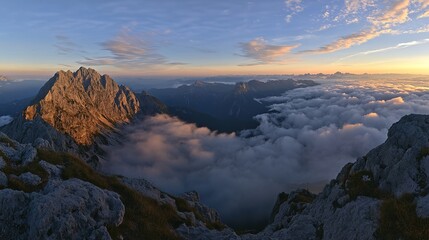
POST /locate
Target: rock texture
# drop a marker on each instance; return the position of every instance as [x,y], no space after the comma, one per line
[83,104]
[51,208]
[72,209]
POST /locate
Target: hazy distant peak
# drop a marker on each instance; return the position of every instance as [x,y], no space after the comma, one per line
[199,83]
[3,78]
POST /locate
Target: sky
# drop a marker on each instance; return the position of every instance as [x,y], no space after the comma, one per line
[202,37]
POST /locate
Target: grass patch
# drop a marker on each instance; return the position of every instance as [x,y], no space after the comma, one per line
[281,198]
[7,141]
[362,184]
[144,217]
[399,220]
[33,167]
[183,206]
[424,151]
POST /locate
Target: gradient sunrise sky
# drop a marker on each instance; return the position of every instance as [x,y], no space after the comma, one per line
[202,37]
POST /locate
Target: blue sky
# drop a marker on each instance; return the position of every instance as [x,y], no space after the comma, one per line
[199,37]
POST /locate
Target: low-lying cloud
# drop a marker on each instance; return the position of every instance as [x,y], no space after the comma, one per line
[4,120]
[304,142]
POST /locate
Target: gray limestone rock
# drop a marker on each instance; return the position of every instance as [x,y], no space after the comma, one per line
[2,163]
[147,189]
[72,209]
[30,178]
[3,179]
[54,171]
[201,232]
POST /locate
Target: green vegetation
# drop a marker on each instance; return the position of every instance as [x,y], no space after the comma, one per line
[143,215]
[362,184]
[399,220]
[33,167]
[281,198]
[424,151]
[183,206]
[7,141]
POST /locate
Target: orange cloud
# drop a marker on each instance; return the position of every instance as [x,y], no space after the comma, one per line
[348,41]
[259,50]
[424,15]
[395,14]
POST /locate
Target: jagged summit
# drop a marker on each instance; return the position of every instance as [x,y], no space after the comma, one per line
[3,78]
[83,104]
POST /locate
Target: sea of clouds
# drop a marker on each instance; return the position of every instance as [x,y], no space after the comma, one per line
[4,120]
[304,141]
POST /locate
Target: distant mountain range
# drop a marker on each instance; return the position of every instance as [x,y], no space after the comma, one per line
[16,95]
[224,107]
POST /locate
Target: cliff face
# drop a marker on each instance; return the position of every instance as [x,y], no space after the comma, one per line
[83,104]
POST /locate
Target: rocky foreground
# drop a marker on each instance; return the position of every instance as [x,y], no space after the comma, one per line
[47,195]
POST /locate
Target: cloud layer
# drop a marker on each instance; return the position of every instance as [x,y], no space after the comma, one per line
[310,134]
[4,120]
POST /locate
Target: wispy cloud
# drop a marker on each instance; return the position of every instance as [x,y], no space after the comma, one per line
[393,15]
[64,45]
[424,29]
[293,7]
[128,50]
[398,46]
[424,15]
[381,22]
[347,41]
[259,50]
[355,6]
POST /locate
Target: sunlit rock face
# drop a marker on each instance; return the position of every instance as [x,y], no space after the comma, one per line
[83,104]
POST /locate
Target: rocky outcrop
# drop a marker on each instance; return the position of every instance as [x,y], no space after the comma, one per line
[83,104]
[50,207]
[16,152]
[147,189]
[207,214]
[72,209]
[151,105]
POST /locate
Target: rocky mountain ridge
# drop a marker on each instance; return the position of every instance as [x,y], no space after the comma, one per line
[69,99]
[80,112]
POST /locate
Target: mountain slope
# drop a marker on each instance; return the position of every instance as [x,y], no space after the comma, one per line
[83,104]
[224,103]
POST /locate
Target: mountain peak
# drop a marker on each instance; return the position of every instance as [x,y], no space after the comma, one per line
[199,83]
[83,104]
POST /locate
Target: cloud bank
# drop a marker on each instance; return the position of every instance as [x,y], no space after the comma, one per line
[304,142]
[4,120]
